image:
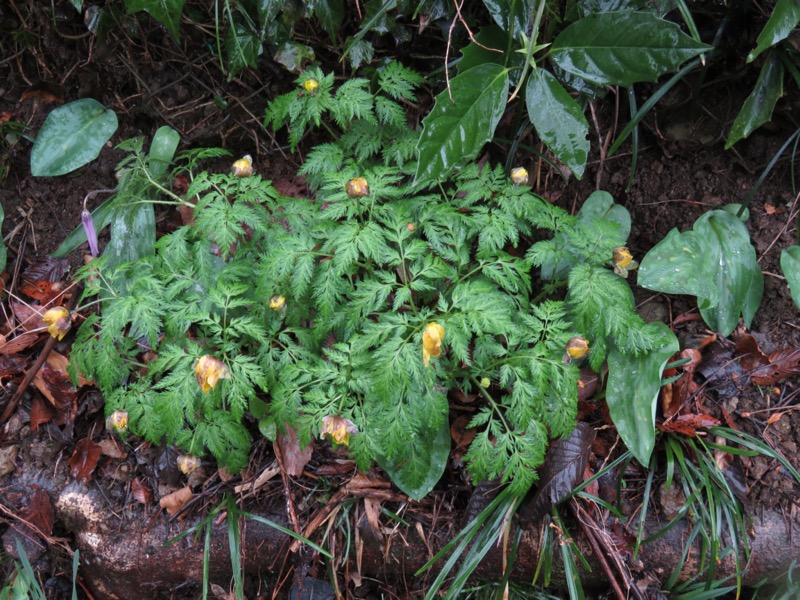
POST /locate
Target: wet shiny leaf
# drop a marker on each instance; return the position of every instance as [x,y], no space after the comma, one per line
[758,107]
[715,262]
[558,120]
[632,391]
[455,130]
[622,47]
[785,17]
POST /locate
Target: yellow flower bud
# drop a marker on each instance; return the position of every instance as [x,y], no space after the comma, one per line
[209,371]
[243,167]
[519,176]
[623,261]
[277,302]
[338,429]
[58,321]
[117,421]
[357,188]
[577,348]
[188,463]
[485,382]
[432,341]
[311,86]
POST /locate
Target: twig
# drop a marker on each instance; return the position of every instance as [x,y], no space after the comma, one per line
[287,490]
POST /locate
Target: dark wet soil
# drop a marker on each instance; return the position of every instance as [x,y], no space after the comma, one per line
[150,82]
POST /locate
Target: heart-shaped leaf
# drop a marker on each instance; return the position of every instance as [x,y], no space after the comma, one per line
[166,12]
[622,47]
[456,130]
[72,135]
[558,120]
[714,262]
[632,390]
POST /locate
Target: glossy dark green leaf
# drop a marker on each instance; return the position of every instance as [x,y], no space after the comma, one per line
[330,14]
[758,107]
[784,18]
[243,45]
[715,262]
[294,56]
[473,54]
[790,265]
[456,130]
[632,390]
[558,120]
[660,7]
[133,234]
[166,12]
[511,13]
[162,150]
[435,449]
[72,135]
[621,48]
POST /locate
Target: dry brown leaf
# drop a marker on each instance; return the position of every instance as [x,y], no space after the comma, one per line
[44,92]
[39,511]
[10,366]
[141,492]
[111,448]
[295,458]
[175,501]
[54,383]
[461,433]
[41,413]
[766,369]
[84,460]
[19,343]
[29,315]
[771,209]
[43,291]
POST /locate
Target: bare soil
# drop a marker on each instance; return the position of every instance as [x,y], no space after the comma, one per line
[149,81]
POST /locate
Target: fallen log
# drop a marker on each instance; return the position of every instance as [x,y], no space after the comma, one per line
[126,558]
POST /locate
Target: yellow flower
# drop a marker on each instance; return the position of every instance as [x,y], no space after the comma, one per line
[277,302]
[338,429]
[243,167]
[485,382]
[117,421]
[188,463]
[311,86]
[357,188]
[623,261]
[519,176]
[432,341]
[209,371]
[58,321]
[577,348]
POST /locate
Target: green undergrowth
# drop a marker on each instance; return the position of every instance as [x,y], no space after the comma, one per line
[354,313]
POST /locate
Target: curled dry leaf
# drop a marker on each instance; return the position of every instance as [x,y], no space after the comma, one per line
[674,394]
[295,458]
[54,383]
[19,343]
[84,460]
[460,432]
[39,511]
[141,492]
[175,501]
[688,425]
[41,413]
[766,369]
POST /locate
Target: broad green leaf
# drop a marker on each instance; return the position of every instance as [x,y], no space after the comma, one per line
[162,150]
[455,130]
[490,36]
[714,262]
[790,265]
[785,17]
[632,391]
[72,135]
[511,13]
[435,449]
[330,14]
[758,107]
[133,234]
[660,7]
[294,56]
[558,120]
[3,251]
[621,48]
[753,298]
[243,46]
[375,18]
[166,12]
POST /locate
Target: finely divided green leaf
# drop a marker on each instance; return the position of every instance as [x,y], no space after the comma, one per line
[621,48]
[632,391]
[758,107]
[72,135]
[455,131]
[558,120]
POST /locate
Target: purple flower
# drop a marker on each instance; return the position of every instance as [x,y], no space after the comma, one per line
[91,234]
